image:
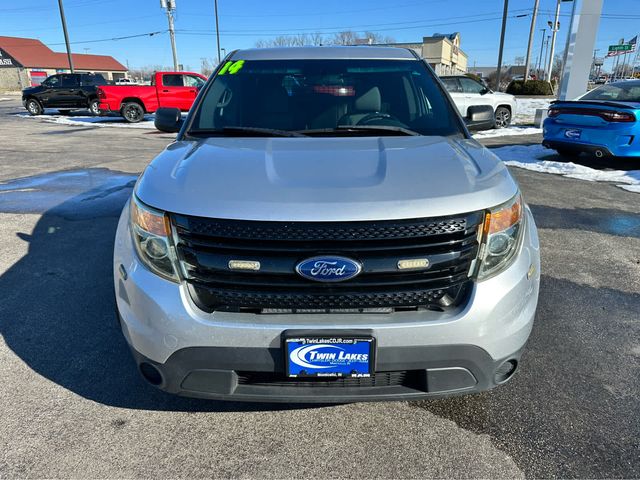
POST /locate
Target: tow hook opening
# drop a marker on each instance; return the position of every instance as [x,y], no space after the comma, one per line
[150,373]
[505,371]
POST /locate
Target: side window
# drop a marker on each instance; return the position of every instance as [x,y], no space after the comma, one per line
[173,80]
[471,86]
[69,81]
[97,79]
[452,85]
[52,81]
[87,80]
[192,81]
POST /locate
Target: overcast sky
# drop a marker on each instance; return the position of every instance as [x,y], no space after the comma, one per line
[243,22]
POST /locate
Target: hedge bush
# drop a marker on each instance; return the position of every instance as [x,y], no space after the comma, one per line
[532,87]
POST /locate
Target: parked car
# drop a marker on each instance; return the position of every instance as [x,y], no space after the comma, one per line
[325,229]
[467,92]
[167,89]
[603,122]
[64,91]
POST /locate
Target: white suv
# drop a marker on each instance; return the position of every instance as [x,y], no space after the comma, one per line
[467,92]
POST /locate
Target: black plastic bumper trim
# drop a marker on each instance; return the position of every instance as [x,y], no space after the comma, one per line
[212,372]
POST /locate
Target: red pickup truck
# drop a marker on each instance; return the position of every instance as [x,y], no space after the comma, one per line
[167,89]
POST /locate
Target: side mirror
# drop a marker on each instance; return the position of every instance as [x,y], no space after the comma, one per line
[168,120]
[480,117]
[484,91]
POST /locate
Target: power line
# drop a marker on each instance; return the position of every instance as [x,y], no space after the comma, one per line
[249,33]
[325,12]
[149,34]
[372,25]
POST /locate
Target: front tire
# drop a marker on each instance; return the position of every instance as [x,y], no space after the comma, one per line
[132,112]
[94,107]
[34,107]
[503,117]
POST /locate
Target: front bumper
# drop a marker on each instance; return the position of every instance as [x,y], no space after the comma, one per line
[105,109]
[239,356]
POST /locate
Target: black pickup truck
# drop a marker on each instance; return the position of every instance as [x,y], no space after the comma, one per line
[64,91]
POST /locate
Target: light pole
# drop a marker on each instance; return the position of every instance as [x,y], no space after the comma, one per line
[504,27]
[66,35]
[554,30]
[217,29]
[534,17]
[544,33]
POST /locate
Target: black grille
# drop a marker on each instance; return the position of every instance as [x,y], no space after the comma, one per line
[311,231]
[411,379]
[205,247]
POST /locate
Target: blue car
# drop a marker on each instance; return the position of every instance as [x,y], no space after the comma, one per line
[603,122]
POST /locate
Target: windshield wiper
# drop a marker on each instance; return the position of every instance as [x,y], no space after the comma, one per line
[244,132]
[380,129]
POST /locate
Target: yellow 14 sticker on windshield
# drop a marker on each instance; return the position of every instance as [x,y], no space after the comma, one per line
[231,67]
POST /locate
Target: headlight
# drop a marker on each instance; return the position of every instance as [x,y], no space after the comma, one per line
[151,233]
[501,235]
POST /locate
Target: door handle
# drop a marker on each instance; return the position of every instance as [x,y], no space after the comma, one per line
[165,91]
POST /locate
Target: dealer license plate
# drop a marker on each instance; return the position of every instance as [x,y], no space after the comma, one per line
[329,356]
[573,133]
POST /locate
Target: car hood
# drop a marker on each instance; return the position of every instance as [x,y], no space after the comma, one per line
[325,179]
[504,95]
[31,90]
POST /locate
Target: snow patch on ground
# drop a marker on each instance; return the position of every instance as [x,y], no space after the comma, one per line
[532,158]
[84,121]
[505,132]
[4,98]
[526,109]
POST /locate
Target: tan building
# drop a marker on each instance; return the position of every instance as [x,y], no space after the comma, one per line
[441,51]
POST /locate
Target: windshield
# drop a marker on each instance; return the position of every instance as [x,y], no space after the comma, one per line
[326,95]
[620,92]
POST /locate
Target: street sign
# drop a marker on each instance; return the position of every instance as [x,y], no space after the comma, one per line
[625,47]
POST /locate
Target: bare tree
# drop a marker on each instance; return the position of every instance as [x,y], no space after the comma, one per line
[378,38]
[519,61]
[299,40]
[207,66]
[344,38]
[145,73]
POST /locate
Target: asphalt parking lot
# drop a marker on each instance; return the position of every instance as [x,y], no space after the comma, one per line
[73,404]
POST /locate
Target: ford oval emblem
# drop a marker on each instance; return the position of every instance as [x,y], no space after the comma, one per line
[328,269]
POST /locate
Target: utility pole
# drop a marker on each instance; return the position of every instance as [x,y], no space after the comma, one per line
[66,35]
[534,17]
[554,30]
[545,60]
[217,29]
[170,6]
[504,27]
[544,34]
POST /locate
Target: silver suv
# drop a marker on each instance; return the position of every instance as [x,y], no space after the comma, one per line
[324,229]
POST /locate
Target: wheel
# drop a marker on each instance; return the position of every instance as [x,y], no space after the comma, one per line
[34,107]
[132,112]
[94,106]
[503,117]
[64,112]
